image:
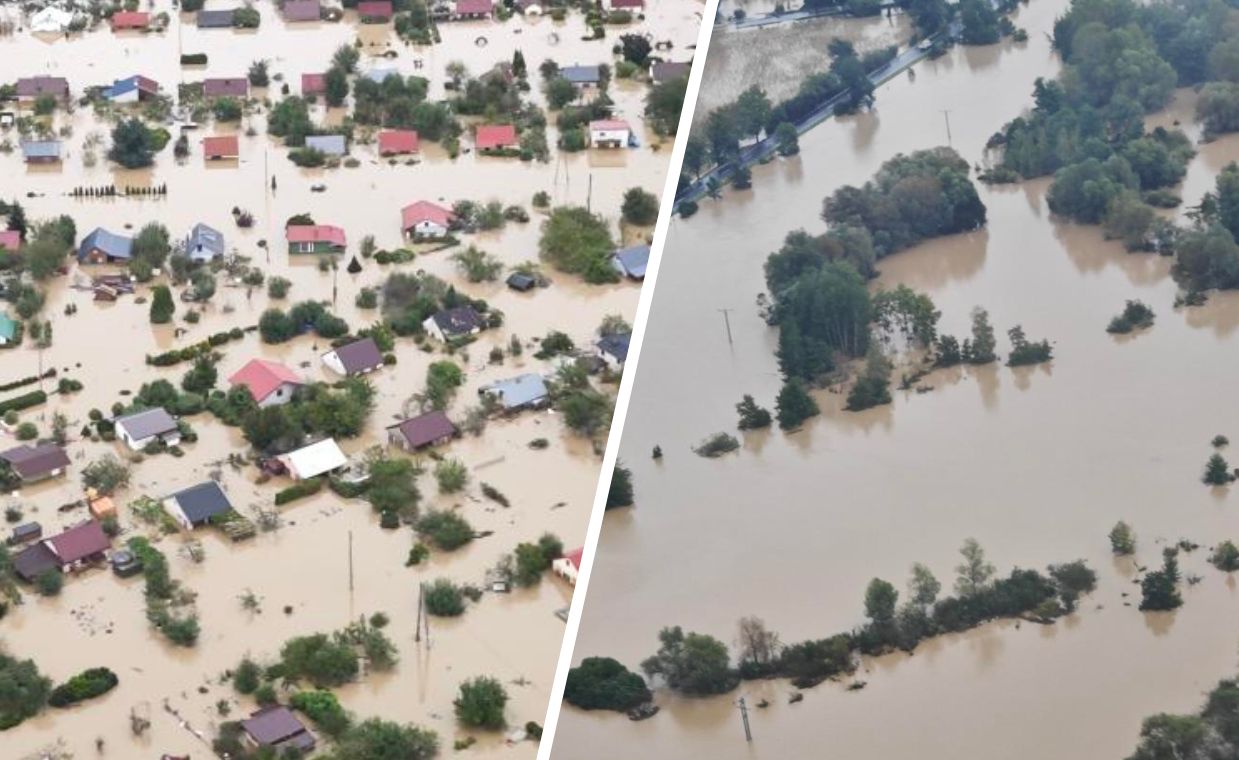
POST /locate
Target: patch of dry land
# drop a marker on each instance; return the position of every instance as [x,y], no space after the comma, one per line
[347,554]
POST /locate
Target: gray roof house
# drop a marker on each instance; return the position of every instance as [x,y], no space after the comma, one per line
[301,10]
[101,246]
[526,391]
[613,349]
[631,261]
[204,243]
[582,76]
[145,427]
[277,727]
[33,463]
[356,358]
[453,323]
[665,71]
[221,19]
[331,145]
[197,505]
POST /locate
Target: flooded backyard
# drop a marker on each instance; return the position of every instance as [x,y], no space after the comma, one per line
[1036,463]
[301,572]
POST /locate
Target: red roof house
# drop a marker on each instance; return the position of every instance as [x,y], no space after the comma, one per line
[375,10]
[425,219]
[84,542]
[29,88]
[569,565]
[130,20]
[429,429]
[221,147]
[394,142]
[314,238]
[269,383]
[496,137]
[10,240]
[313,84]
[616,5]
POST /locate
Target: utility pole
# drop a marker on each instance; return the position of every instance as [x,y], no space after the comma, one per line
[744,717]
[589,193]
[417,633]
[946,114]
[350,561]
[727,321]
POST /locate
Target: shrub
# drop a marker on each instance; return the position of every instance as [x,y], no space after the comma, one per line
[85,685]
[452,475]
[298,491]
[601,683]
[481,702]
[446,530]
[323,709]
[444,598]
[248,676]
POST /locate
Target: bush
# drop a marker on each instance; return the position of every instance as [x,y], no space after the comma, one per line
[640,207]
[320,660]
[717,445]
[323,709]
[248,676]
[452,475]
[446,530]
[444,598]
[298,491]
[49,582]
[85,685]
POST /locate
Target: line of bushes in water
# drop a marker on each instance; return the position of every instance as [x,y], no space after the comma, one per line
[88,684]
[299,491]
[189,353]
[24,401]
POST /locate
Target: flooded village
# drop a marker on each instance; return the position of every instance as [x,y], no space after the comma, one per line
[313,317]
[1036,463]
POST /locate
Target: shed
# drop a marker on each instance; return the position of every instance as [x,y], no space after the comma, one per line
[220,19]
[416,433]
[102,507]
[122,20]
[220,147]
[330,145]
[26,532]
[519,281]
[356,358]
[225,87]
[314,460]
[204,243]
[195,506]
[101,246]
[609,133]
[375,11]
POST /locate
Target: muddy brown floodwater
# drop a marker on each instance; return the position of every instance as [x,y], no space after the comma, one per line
[1037,464]
[98,620]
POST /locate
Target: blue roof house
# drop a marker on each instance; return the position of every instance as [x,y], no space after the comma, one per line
[526,391]
[102,247]
[204,243]
[329,145]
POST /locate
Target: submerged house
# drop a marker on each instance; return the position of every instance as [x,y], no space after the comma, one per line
[495,137]
[424,219]
[269,383]
[102,247]
[195,506]
[225,87]
[41,151]
[450,324]
[374,11]
[302,10]
[73,549]
[613,350]
[132,89]
[220,19]
[313,85]
[609,133]
[10,240]
[32,88]
[569,565]
[666,71]
[130,20]
[34,463]
[141,429]
[221,147]
[314,460]
[464,10]
[204,243]
[526,391]
[315,238]
[425,430]
[583,77]
[277,728]
[631,261]
[328,145]
[398,142]
[357,358]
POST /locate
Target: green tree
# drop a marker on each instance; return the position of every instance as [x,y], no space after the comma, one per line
[377,739]
[620,493]
[692,663]
[640,207]
[752,416]
[578,242]
[481,702]
[1122,539]
[787,138]
[602,683]
[162,306]
[794,405]
[132,145]
[880,600]
[974,574]
[923,588]
[1217,471]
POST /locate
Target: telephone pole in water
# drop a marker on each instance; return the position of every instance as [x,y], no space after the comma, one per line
[744,717]
[727,321]
[946,114]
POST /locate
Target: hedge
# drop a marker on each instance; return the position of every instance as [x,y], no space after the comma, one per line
[189,353]
[298,491]
[17,403]
[85,685]
[26,381]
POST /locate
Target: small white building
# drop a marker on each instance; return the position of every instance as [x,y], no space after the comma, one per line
[314,460]
[609,133]
[137,431]
[568,566]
